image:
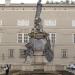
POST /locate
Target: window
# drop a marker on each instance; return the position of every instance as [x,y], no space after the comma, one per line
[50,22]
[23,22]
[3,56]
[22,38]
[11,53]
[73,22]
[26,38]
[22,53]
[64,53]
[73,38]
[52,37]
[0,37]
[0,22]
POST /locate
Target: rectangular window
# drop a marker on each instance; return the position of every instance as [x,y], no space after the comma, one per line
[22,38]
[19,38]
[3,56]
[73,22]
[73,38]
[26,38]
[64,53]
[11,53]
[50,22]
[0,37]
[23,22]
[22,53]
[52,37]
[0,22]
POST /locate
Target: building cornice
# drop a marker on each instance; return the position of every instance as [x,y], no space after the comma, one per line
[34,5]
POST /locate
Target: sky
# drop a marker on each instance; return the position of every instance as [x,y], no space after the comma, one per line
[30,1]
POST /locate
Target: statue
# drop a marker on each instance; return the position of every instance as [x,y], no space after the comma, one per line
[37,21]
[39,39]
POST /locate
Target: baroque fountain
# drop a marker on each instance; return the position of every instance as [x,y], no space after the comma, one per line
[39,47]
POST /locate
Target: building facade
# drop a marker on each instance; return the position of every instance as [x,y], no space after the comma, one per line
[17,20]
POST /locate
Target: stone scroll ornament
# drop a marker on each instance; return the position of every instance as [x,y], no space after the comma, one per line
[39,39]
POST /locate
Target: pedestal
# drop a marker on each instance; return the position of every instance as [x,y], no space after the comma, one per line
[38,60]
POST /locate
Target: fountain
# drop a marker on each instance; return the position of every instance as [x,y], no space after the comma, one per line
[39,46]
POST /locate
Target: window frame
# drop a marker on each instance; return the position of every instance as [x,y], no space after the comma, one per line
[73,23]
[22,22]
[50,22]
[22,54]
[64,53]
[0,37]
[1,22]
[50,36]
[23,38]
[10,53]
[73,36]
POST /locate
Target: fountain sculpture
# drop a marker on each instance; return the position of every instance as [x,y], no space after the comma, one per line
[39,46]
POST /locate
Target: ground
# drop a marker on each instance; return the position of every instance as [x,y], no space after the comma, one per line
[17,72]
